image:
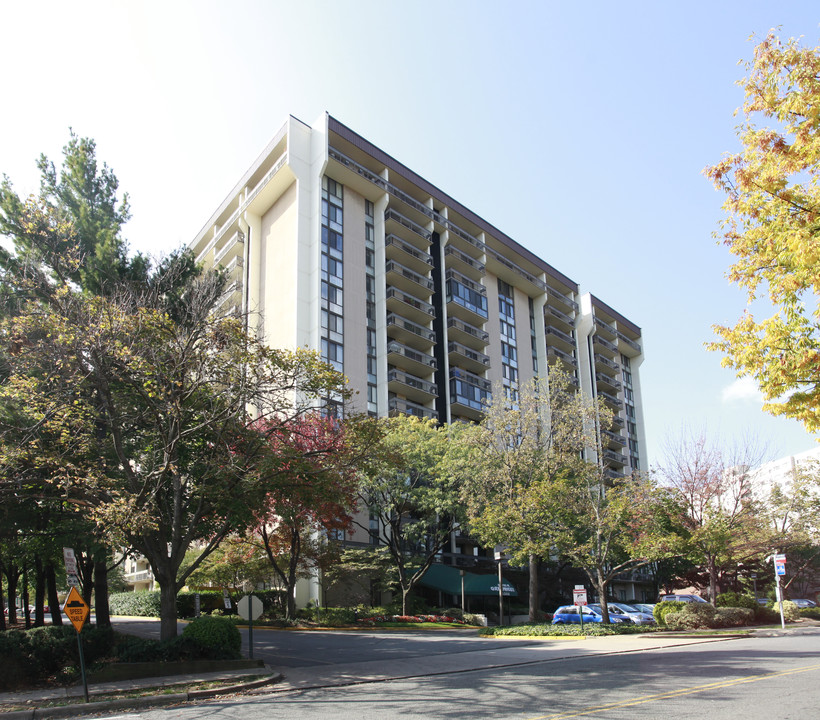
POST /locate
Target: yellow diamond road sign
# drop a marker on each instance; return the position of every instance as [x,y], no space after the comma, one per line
[76,609]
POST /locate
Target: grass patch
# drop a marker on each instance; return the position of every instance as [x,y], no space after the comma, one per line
[548,630]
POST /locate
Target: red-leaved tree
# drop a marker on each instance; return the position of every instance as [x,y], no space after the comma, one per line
[310,473]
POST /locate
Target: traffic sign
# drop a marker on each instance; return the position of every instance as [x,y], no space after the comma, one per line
[780,558]
[70,561]
[249,607]
[579,595]
[780,568]
[76,609]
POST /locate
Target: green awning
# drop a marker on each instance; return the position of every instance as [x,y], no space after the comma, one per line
[448,579]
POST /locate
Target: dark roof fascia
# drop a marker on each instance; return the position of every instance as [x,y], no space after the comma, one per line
[596,302]
[390,162]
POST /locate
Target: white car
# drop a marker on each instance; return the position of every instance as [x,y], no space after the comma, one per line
[635,614]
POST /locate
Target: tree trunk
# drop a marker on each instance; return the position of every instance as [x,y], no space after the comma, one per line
[39,592]
[12,575]
[85,566]
[533,588]
[601,586]
[2,604]
[167,607]
[53,600]
[712,579]
[101,609]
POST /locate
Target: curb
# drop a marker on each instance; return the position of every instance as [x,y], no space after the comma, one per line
[78,709]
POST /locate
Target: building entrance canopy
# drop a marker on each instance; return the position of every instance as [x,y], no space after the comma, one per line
[448,579]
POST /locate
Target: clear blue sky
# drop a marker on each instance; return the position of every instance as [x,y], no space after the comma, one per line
[579,129]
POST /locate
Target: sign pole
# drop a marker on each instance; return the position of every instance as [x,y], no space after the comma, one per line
[82,666]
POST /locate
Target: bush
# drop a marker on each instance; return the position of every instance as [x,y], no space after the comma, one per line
[734,616]
[791,613]
[810,612]
[662,609]
[217,635]
[735,600]
[139,604]
[693,616]
[766,615]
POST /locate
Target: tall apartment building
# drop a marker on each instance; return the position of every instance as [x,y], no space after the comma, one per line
[334,245]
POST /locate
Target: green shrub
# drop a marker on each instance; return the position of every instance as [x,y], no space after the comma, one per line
[693,616]
[662,609]
[766,615]
[735,600]
[140,604]
[810,612]
[791,613]
[734,616]
[215,634]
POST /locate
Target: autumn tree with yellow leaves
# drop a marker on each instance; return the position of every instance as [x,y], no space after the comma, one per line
[772,227]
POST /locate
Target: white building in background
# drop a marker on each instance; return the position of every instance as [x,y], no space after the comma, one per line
[334,245]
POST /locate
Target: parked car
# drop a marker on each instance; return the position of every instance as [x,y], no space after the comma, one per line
[592,614]
[803,603]
[683,598]
[645,607]
[638,616]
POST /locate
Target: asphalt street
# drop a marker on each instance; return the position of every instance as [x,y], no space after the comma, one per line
[757,678]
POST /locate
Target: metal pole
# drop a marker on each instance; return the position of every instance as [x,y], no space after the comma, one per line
[82,666]
[500,597]
[250,634]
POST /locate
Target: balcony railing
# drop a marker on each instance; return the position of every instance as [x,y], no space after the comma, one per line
[606,361]
[451,251]
[411,327]
[411,354]
[517,269]
[408,274]
[465,327]
[406,407]
[396,216]
[474,355]
[552,292]
[465,281]
[396,241]
[565,356]
[405,378]
[471,378]
[401,296]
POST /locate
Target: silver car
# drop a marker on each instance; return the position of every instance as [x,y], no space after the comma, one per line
[636,614]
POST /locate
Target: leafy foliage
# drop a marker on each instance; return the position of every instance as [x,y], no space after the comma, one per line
[771,226]
[219,635]
[411,486]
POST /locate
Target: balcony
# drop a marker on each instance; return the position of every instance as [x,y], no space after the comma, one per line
[407,358]
[462,262]
[611,400]
[405,279]
[234,246]
[476,287]
[568,358]
[604,345]
[399,406]
[413,388]
[614,438]
[395,248]
[628,341]
[406,331]
[463,356]
[605,328]
[556,318]
[563,299]
[554,336]
[408,306]
[392,216]
[606,381]
[615,457]
[465,333]
[606,362]
[513,273]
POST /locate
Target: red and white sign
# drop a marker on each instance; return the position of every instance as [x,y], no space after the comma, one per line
[579,595]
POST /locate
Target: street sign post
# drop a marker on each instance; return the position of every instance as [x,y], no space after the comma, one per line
[249,608]
[77,611]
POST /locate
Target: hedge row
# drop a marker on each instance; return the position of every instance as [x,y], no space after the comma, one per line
[43,652]
[147,603]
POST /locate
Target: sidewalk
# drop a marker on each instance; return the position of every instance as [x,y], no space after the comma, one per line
[280,679]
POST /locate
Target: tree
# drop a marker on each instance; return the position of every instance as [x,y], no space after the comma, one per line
[310,482]
[717,503]
[771,226]
[539,486]
[412,492]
